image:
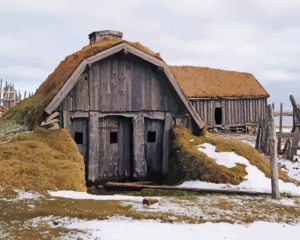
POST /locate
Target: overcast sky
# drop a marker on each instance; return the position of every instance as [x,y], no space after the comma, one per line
[257,36]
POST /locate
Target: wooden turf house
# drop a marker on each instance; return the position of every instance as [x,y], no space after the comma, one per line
[223,98]
[119,100]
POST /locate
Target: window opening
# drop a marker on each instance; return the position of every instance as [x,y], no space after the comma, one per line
[113,137]
[151,136]
[78,137]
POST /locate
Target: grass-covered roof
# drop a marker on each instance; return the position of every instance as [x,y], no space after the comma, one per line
[30,111]
[206,82]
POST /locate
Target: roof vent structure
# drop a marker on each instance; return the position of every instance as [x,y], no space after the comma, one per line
[105,34]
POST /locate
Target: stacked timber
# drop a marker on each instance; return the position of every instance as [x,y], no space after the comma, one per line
[51,122]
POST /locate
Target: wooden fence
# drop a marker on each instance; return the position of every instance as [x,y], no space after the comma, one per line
[266,142]
[9,96]
[264,135]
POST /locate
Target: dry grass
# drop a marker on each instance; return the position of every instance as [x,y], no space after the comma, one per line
[188,163]
[16,215]
[28,112]
[210,82]
[42,160]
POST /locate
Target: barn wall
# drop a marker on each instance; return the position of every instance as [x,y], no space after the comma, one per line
[125,94]
[235,112]
[123,83]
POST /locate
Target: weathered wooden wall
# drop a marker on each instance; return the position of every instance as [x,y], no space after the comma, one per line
[235,111]
[123,83]
[125,94]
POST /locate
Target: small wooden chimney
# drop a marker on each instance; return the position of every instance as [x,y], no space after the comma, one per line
[105,34]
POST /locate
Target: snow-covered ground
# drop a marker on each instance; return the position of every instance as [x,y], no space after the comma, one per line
[129,229]
[84,195]
[291,168]
[254,181]
[285,129]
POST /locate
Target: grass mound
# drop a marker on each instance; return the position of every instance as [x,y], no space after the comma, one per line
[42,160]
[28,112]
[187,163]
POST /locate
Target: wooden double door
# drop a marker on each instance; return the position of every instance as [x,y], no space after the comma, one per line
[116,143]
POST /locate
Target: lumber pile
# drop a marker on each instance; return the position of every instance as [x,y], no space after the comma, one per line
[51,122]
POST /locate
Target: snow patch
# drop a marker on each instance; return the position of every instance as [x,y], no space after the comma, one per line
[23,196]
[291,168]
[129,229]
[84,195]
[255,181]
[288,202]
[227,159]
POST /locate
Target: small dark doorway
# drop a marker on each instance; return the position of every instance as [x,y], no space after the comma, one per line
[218,115]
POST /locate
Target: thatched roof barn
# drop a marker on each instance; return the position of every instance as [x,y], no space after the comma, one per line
[223,98]
[120,100]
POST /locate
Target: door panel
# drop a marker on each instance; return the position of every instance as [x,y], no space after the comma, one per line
[79,132]
[115,147]
[154,135]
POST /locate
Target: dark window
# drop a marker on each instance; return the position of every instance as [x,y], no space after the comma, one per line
[218,116]
[113,137]
[78,137]
[151,136]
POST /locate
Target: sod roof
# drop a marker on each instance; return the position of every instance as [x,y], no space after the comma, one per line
[206,82]
[64,70]
[194,81]
[30,111]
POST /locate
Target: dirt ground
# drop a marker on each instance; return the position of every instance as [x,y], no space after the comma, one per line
[28,215]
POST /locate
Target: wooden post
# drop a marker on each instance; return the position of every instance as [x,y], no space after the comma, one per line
[295,142]
[273,155]
[1,100]
[280,130]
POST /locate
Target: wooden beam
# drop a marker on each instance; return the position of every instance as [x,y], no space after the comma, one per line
[138,187]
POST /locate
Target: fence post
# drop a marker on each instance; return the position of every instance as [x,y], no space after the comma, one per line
[273,155]
[280,130]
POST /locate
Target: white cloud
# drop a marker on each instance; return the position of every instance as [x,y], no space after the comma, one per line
[9,45]
[256,36]
[24,72]
[279,75]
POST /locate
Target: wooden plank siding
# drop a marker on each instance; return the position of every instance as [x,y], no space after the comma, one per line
[125,94]
[235,111]
[124,84]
